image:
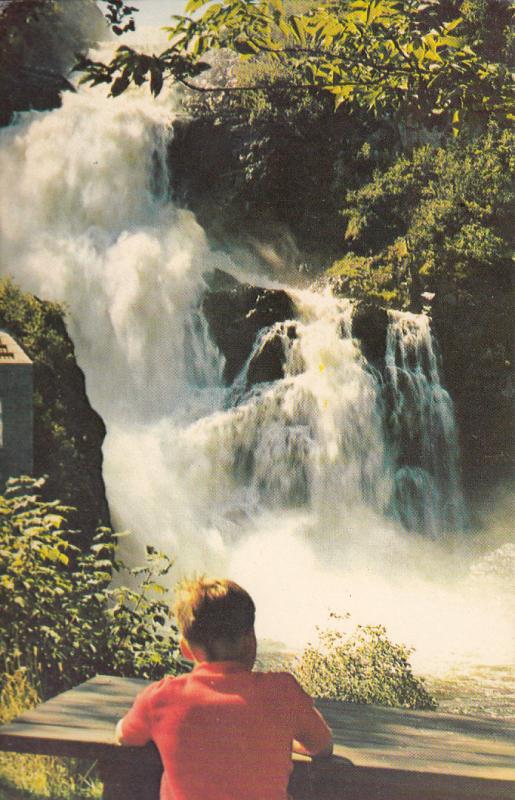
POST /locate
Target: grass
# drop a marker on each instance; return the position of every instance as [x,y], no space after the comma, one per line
[27,777]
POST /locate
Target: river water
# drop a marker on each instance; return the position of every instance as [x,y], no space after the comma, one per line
[334,489]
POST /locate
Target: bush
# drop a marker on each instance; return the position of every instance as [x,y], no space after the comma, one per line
[61,618]
[362,667]
[372,278]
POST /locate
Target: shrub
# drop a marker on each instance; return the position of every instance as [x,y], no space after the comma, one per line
[61,618]
[361,667]
[372,278]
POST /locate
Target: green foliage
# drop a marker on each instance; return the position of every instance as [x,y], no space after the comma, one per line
[61,617]
[68,433]
[461,231]
[376,213]
[120,16]
[373,278]
[487,27]
[439,219]
[382,55]
[128,66]
[362,667]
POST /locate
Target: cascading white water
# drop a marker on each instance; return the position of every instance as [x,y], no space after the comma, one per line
[423,437]
[336,436]
[297,488]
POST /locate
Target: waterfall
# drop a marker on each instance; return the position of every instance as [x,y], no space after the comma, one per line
[427,493]
[322,490]
[340,438]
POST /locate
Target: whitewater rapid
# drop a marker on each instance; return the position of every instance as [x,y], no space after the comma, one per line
[297,488]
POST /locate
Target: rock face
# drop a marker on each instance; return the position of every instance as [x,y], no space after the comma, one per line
[369,325]
[268,363]
[236,313]
[39,43]
[68,433]
[74,462]
[476,341]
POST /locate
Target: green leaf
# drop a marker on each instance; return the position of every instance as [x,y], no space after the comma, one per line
[212,11]
[194,5]
[245,47]
[298,29]
[456,123]
[119,85]
[449,41]
[449,26]
[156,79]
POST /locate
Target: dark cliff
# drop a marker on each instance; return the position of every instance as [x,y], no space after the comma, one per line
[68,433]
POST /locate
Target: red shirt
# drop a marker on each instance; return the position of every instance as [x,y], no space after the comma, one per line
[225,733]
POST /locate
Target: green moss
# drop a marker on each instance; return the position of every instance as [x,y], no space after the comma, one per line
[383,278]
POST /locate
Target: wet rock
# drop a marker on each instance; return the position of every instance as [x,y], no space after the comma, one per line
[236,313]
[268,363]
[369,325]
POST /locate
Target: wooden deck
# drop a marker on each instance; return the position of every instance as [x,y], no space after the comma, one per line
[381,753]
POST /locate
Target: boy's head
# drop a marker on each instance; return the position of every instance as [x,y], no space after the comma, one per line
[216,619]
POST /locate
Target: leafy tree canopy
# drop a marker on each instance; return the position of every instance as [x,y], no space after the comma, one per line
[385,55]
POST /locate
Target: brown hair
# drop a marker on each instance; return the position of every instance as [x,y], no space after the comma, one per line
[211,611]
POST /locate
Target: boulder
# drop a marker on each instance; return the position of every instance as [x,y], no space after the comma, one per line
[268,363]
[369,325]
[236,313]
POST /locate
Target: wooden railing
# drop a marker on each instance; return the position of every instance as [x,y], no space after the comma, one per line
[380,753]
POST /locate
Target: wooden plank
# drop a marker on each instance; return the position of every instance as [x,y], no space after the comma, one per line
[335,781]
[78,723]
[373,736]
[376,745]
[96,705]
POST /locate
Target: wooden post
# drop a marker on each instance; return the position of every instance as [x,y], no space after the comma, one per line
[299,787]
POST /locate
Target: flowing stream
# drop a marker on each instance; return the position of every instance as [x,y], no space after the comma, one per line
[333,489]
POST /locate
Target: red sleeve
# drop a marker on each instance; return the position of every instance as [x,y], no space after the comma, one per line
[311,730]
[136,726]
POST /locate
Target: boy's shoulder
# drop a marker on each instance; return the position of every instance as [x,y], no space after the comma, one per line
[278,683]
[277,677]
[283,682]
[166,685]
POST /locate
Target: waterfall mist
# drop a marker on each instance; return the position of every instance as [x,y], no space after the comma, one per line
[333,489]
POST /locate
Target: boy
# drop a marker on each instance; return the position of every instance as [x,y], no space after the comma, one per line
[223,731]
